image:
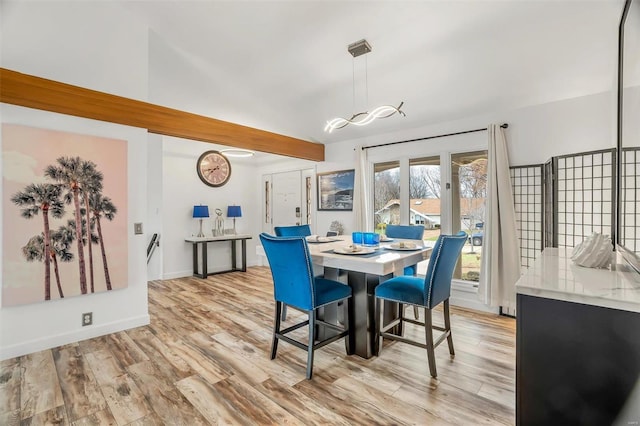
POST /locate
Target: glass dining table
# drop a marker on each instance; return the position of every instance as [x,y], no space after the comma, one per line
[364,269]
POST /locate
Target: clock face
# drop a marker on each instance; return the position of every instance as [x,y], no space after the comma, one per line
[213,168]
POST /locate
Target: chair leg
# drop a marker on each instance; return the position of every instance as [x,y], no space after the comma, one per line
[349,315]
[400,328]
[447,327]
[312,339]
[431,356]
[377,344]
[284,312]
[276,330]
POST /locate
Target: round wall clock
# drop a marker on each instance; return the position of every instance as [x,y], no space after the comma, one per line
[213,168]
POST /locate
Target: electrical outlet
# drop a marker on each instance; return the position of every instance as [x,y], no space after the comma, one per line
[87,319]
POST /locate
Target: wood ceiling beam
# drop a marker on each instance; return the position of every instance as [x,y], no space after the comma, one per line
[49,95]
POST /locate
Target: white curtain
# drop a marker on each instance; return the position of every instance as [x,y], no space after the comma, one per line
[363,220]
[500,252]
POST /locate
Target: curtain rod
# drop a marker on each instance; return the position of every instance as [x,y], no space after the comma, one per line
[504,126]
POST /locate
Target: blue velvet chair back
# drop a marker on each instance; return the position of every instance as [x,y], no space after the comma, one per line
[292,231]
[410,232]
[441,265]
[291,270]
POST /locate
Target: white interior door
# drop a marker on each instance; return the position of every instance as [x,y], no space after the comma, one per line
[286,205]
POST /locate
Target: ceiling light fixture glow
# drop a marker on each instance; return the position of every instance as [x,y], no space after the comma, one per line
[237,152]
[364,118]
[356,49]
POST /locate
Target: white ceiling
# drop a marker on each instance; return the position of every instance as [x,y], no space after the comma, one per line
[284,66]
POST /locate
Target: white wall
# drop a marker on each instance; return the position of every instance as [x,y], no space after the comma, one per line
[100,47]
[535,134]
[154,221]
[182,189]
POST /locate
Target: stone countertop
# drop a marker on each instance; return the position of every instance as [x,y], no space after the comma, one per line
[554,276]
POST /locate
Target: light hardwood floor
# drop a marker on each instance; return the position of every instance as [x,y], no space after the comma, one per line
[204,359]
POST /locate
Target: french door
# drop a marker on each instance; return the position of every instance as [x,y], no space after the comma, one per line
[444,193]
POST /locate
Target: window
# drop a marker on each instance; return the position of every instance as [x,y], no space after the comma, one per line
[468,205]
[386,197]
[445,192]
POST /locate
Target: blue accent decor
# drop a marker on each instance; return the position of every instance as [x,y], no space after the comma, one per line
[295,286]
[427,293]
[292,231]
[200,211]
[234,211]
[410,232]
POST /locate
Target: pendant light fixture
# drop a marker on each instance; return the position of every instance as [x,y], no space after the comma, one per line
[356,49]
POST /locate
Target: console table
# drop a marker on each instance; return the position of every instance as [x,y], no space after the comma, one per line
[577,344]
[204,241]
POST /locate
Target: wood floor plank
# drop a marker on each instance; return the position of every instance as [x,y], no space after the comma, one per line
[200,360]
[163,396]
[100,418]
[234,401]
[10,378]
[287,370]
[53,417]
[170,365]
[40,388]
[125,400]
[227,360]
[304,408]
[80,390]
[403,412]
[209,402]
[10,418]
[123,348]
[205,359]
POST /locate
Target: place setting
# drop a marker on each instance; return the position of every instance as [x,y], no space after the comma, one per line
[363,243]
[316,239]
[404,246]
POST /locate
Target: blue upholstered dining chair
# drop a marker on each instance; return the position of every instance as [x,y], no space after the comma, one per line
[295,285]
[427,292]
[409,232]
[291,231]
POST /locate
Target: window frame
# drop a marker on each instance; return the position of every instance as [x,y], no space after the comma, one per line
[454,145]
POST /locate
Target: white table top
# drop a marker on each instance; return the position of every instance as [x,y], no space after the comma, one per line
[385,262]
[554,276]
[219,238]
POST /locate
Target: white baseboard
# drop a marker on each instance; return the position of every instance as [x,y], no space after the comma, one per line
[212,268]
[73,336]
[178,274]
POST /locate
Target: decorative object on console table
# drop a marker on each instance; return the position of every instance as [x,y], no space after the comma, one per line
[218,229]
[234,212]
[200,212]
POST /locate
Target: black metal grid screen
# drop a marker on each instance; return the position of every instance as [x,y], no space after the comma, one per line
[630,199]
[527,187]
[584,196]
[549,206]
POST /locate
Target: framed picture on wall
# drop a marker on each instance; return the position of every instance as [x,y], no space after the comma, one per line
[335,190]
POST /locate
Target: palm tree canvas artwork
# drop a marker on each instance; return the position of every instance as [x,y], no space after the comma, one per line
[64,214]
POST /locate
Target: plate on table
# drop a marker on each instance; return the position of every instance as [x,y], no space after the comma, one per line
[404,246]
[319,239]
[354,250]
[385,239]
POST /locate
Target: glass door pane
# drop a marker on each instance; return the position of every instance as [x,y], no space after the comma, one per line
[468,204]
[386,197]
[424,200]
